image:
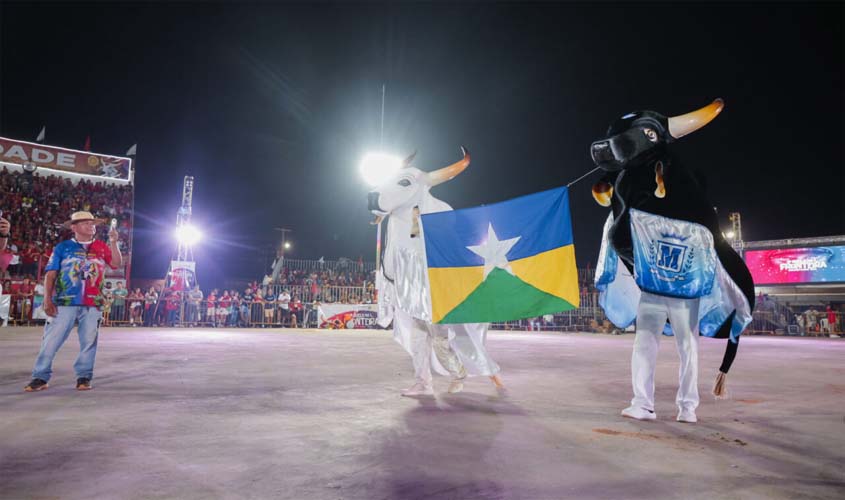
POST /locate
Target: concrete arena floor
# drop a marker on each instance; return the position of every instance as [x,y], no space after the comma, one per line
[301,414]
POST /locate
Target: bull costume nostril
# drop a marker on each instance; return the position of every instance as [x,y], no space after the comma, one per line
[664,262]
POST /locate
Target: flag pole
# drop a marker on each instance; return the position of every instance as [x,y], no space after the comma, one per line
[379,219]
[585,175]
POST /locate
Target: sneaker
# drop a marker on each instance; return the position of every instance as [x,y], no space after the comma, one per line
[419,389]
[639,413]
[456,386]
[36,385]
[83,384]
[688,416]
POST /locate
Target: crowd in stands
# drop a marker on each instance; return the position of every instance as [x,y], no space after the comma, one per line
[37,205]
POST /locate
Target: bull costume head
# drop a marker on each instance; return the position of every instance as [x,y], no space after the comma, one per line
[409,187]
[642,174]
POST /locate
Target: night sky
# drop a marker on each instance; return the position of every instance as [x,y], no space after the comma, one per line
[271,108]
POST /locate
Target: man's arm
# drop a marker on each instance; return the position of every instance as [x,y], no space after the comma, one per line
[116,257]
[5,227]
[49,287]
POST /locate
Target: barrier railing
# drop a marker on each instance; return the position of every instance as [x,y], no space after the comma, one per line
[186,313]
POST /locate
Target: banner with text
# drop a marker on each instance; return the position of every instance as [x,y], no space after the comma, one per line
[28,154]
[797,265]
[349,316]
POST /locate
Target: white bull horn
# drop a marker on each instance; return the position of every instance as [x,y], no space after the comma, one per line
[448,173]
[688,123]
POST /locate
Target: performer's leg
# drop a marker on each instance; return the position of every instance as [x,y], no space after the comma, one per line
[447,356]
[421,346]
[415,339]
[56,331]
[449,359]
[89,326]
[651,317]
[684,318]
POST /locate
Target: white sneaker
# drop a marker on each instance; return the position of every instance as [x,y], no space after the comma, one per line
[419,389]
[685,415]
[639,413]
[456,386]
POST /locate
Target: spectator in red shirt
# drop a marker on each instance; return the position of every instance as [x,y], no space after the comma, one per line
[295,312]
[25,293]
[223,308]
[172,305]
[831,319]
[211,307]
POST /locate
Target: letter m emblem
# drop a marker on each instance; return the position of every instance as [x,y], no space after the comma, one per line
[670,256]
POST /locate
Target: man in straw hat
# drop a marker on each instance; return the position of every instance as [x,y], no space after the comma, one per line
[73,292]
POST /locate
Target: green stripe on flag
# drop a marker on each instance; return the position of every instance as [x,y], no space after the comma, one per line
[485,303]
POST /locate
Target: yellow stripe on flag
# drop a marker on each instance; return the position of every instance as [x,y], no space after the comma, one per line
[554,272]
[450,286]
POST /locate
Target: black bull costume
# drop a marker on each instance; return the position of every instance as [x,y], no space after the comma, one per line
[663,235]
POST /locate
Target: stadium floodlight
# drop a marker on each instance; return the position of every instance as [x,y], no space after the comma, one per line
[378,167]
[187,235]
[287,245]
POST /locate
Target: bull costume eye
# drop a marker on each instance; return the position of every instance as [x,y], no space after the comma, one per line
[404,183]
[651,134]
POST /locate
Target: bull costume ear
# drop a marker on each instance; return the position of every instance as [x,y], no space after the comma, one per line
[603,193]
[448,173]
[688,123]
[415,223]
[407,161]
[660,191]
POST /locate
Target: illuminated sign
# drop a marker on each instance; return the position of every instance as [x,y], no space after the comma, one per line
[797,265]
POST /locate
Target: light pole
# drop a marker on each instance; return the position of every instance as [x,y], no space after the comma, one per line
[736,228]
[280,257]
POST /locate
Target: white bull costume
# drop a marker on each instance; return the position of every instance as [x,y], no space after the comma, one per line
[457,349]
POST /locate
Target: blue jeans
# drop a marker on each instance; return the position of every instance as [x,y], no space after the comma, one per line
[56,332]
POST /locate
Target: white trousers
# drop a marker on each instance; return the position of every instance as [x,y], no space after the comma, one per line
[652,313]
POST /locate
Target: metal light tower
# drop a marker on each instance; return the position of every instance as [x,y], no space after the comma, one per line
[184,251]
[280,254]
[736,232]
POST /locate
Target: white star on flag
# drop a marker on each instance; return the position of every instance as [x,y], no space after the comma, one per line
[494,251]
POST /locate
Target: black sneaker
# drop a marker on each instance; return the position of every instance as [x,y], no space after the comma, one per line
[83,384]
[36,385]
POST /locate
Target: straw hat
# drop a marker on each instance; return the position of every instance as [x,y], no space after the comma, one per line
[80,217]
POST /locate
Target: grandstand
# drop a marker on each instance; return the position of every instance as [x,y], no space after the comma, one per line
[42,185]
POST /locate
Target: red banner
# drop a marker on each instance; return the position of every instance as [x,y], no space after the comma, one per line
[68,160]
